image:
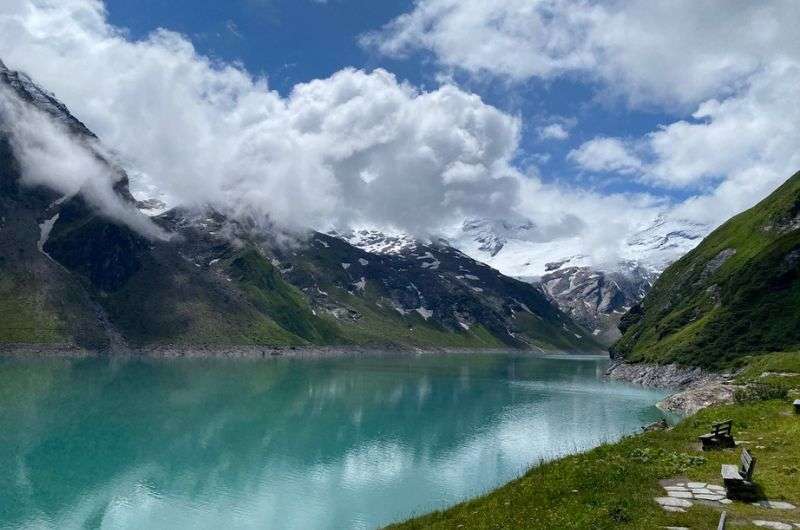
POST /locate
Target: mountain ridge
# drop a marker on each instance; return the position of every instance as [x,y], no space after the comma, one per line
[736,294]
[71,275]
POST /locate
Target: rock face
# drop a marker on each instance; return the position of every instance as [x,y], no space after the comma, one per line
[670,376]
[696,388]
[692,400]
[595,299]
[72,276]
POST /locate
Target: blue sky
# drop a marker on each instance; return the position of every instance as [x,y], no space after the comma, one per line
[294,41]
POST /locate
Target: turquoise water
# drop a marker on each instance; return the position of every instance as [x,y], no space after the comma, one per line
[344,443]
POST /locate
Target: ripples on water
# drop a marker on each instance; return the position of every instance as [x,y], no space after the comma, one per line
[344,443]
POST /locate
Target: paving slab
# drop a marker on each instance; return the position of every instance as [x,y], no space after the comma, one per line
[680,494]
[775,525]
[715,498]
[673,502]
[695,485]
[775,505]
[702,491]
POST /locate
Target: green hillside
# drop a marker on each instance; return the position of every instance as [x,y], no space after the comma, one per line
[736,294]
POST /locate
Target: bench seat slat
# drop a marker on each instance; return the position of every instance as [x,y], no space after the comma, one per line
[731,472]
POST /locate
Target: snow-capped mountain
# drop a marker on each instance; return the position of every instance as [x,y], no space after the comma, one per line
[597,299]
[594,295]
[512,248]
[664,241]
[379,242]
[492,235]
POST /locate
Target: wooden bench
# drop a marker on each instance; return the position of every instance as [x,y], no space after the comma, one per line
[739,480]
[719,437]
[797,406]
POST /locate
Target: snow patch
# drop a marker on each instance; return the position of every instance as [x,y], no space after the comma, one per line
[425,313]
[363,262]
[44,233]
[345,266]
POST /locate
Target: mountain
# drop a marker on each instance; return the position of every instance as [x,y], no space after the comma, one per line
[736,294]
[517,248]
[594,295]
[73,277]
[597,299]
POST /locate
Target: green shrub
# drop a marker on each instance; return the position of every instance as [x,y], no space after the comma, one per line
[760,392]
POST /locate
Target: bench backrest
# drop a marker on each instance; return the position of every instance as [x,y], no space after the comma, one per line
[748,465]
[722,428]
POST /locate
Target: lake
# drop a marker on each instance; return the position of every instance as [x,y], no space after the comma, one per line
[289,444]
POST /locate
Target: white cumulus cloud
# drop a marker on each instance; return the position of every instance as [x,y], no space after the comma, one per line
[356,147]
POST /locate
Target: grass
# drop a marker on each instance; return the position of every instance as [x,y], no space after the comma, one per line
[26,316]
[613,486]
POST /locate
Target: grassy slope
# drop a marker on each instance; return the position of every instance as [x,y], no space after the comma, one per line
[613,486]
[750,304]
[25,313]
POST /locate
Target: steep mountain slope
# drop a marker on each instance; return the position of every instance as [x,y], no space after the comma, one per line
[737,293]
[597,299]
[71,276]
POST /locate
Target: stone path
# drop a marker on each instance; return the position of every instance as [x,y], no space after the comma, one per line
[686,492]
[776,525]
[680,497]
[775,505]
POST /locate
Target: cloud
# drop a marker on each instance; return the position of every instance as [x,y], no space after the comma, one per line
[737,89]
[678,52]
[554,131]
[51,155]
[606,154]
[356,147]
[732,152]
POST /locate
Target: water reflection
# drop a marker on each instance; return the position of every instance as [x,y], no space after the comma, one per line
[348,443]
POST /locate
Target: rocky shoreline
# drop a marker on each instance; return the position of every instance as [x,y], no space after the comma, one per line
[695,388]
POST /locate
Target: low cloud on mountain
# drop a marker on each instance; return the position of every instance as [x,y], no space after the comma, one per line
[51,155]
[355,147]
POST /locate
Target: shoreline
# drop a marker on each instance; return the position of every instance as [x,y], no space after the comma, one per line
[235,352]
[693,389]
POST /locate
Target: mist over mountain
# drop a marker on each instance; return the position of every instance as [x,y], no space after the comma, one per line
[86,266]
